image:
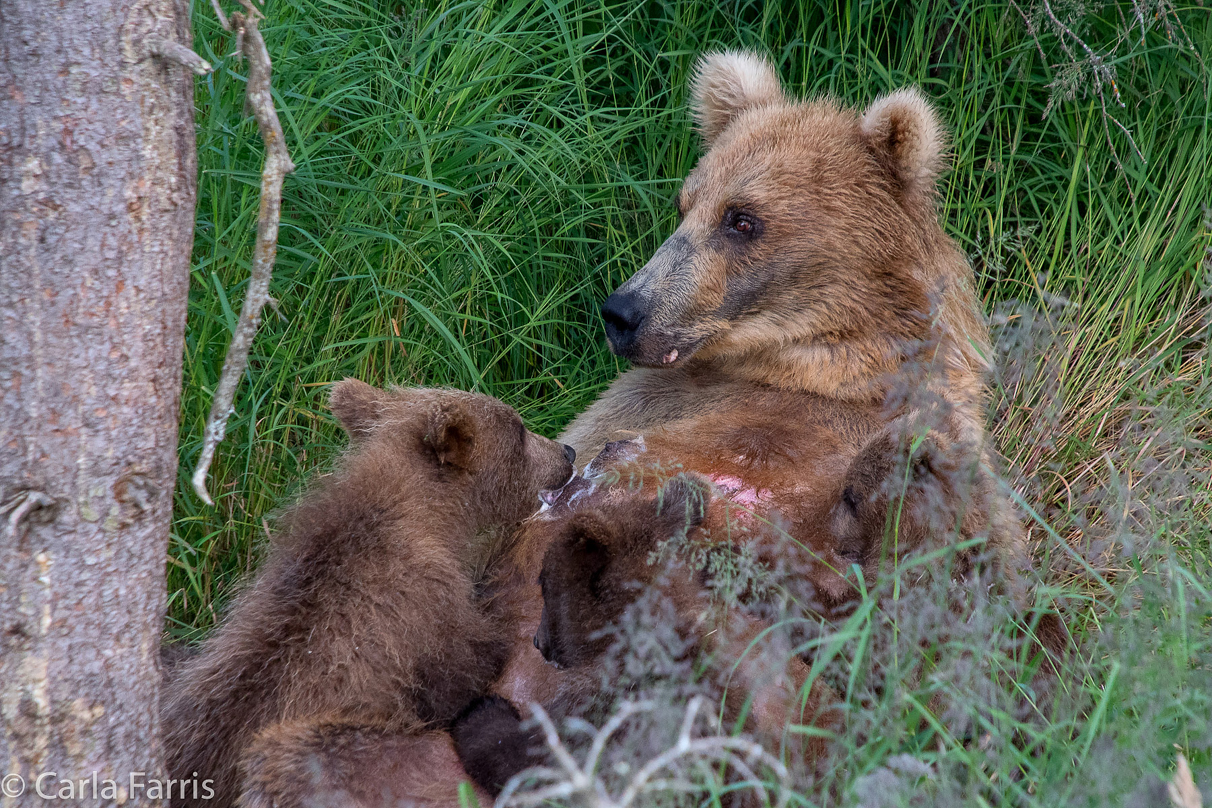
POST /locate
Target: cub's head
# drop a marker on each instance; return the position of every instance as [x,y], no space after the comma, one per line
[802,220]
[597,562]
[468,440]
[899,495]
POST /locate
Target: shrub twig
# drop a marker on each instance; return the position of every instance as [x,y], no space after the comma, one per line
[583,781]
[259,100]
[1103,74]
[1082,62]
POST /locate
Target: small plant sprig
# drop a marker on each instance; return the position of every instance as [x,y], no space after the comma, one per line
[1089,69]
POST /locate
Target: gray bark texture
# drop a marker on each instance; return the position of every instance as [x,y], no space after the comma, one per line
[98,181]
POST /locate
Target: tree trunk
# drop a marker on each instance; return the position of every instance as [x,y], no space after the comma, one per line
[97,191]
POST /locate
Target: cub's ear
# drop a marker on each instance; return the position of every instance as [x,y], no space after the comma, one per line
[725,84]
[1046,631]
[450,433]
[683,500]
[939,458]
[587,545]
[928,458]
[904,132]
[356,405]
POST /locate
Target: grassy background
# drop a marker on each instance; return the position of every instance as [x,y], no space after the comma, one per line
[473,178]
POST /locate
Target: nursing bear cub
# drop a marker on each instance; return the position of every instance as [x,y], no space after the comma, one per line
[363,629]
[599,563]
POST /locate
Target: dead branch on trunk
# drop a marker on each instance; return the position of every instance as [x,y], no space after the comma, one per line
[175,51]
[259,100]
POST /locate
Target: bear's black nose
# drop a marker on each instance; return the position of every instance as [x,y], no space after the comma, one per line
[623,314]
[570,453]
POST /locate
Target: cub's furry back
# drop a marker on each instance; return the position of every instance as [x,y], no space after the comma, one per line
[364,613]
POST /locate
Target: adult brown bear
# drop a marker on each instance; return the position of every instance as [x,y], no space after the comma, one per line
[808,298]
[809,258]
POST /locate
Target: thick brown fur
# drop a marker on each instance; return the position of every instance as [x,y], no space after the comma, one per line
[494,742]
[809,258]
[903,493]
[364,614]
[329,763]
[788,459]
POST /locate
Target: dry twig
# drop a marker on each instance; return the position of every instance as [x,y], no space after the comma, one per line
[583,781]
[176,52]
[259,100]
[1182,790]
[1084,66]
[1103,74]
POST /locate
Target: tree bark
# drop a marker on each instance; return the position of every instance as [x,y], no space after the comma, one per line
[97,191]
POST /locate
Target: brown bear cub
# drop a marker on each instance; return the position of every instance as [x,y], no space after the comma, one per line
[911,490]
[364,618]
[599,564]
[903,493]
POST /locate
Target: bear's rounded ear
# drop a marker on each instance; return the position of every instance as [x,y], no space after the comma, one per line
[356,405]
[904,132]
[683,500]
[937,458]
[450,433]
[588,544]
[727,83]
[926,457]
[1052,635]
[873,465]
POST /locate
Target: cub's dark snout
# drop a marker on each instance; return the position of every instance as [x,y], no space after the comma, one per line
[542,637]
[623,313]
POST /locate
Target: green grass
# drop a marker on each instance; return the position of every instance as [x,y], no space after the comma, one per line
[474,178]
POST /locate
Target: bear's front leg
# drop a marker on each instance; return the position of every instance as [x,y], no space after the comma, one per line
[333,762]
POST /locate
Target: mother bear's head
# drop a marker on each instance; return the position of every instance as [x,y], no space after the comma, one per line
[809,253]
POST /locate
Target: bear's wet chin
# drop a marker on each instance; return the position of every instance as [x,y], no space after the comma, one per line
[550,496]
[664,355]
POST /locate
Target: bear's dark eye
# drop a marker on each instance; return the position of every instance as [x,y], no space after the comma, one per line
[850,501]
[740,223]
